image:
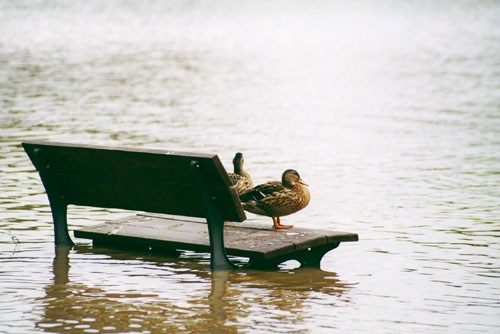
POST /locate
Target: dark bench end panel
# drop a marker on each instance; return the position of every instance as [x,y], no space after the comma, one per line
[135,179]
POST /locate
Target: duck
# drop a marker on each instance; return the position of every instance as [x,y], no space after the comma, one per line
[276,199]
[240,179]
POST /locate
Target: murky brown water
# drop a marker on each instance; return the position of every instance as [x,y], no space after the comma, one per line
[389,110]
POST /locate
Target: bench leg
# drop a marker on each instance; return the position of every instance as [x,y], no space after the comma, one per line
[59,215]
[312,257]
[218,256]
[58,205]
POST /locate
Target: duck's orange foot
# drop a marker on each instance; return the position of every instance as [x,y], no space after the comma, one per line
[277,224]
[282,226]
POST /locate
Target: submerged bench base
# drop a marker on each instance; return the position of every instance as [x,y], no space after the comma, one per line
[263,245]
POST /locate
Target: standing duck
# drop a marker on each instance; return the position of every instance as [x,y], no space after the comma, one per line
[240,179]
[276,199]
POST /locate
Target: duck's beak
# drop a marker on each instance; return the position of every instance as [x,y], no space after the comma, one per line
[303,183]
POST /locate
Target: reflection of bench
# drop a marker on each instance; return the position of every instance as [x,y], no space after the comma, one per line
[181,193]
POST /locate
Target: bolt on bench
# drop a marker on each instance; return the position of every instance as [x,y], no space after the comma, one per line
[186,202]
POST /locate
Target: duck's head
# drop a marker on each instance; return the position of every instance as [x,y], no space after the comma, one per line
[291,177]
[238,161]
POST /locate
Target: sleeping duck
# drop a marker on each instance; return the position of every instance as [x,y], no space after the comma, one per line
[240,179]
[276,199]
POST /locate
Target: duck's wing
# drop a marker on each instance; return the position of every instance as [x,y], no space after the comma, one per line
[263,190]
[270,188]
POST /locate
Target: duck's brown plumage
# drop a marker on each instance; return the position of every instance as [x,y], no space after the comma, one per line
[276,199]
[240,179]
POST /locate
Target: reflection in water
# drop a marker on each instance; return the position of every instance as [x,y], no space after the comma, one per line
[79,308]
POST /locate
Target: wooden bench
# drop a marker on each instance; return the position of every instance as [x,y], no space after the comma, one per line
[180,193]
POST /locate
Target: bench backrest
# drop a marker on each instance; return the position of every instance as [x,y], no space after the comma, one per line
[135,179]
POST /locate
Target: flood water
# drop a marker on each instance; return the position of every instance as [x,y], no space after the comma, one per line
[389,110]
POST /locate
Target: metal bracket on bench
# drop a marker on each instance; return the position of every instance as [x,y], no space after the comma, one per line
[218,256]
[58,204]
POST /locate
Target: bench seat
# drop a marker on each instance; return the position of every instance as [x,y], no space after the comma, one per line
[264,246]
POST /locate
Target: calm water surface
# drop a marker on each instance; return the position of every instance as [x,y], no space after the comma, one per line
[390,110]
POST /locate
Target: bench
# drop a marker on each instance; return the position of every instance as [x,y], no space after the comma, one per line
[185,201]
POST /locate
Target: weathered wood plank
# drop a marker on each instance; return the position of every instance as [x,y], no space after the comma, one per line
[255,241]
